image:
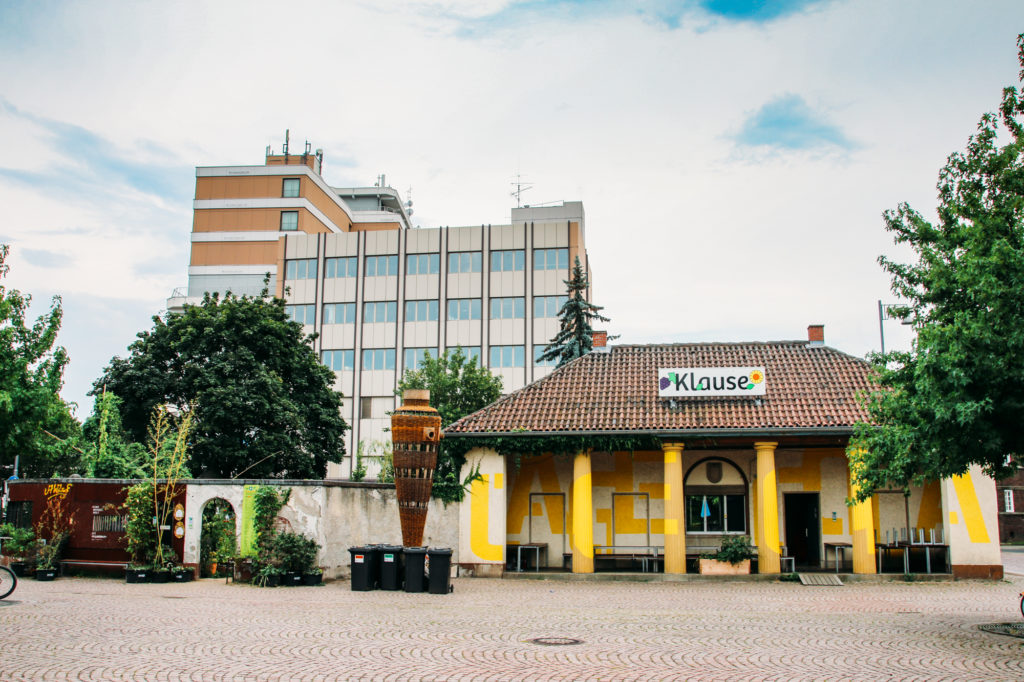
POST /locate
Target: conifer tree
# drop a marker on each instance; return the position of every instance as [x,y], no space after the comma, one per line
[575,335]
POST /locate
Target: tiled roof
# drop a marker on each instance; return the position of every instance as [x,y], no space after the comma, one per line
[808,387]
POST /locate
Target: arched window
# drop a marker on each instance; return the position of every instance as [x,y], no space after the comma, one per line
[716,497]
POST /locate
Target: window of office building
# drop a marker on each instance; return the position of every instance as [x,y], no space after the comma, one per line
[1008,500]
[468,261]
[289,221]
[548,306]
[376,407]
[551,259]
[510,308]
[508,356]
[304,268]
[543,363]
[380,311]
[339,313]
[507,261]
[421,311]
[414,356]
[422,264]
[464,309]
[339,360]
[379,358]
[471,352]
[379,266]
[303,314]
[716,514]
[290,188]
[340,267]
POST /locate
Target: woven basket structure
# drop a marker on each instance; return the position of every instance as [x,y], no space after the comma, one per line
[415,433]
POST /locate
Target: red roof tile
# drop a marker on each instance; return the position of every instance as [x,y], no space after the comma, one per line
[808,387]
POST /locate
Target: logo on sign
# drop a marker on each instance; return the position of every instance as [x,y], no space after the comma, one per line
[711,381]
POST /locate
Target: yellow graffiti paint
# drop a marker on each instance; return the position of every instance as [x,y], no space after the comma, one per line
[479,522]
[655,490]
[953,520]
[537,509]
[499,481]
[969,507]
[604,516]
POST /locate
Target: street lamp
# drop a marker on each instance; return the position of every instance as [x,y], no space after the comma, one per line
[885,313]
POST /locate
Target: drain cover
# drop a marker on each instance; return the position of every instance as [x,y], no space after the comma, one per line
[554,641]
[1011,629]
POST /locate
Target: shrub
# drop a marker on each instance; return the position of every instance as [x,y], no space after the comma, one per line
[734,549]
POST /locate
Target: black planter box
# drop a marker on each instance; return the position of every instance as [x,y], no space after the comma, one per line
[181,576]
[20,568]
[291,579]
[271,581]
[137,575]
[312,578]
[160,577]
[46,574]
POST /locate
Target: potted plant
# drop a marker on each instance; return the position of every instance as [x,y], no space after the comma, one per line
[49,557]
[295,553]
[269,575]
[732,558]
[137,574]
[181,574]
[313,576]
[19,546]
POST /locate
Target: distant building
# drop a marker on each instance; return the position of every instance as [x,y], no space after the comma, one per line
[1010,497]
[379,292]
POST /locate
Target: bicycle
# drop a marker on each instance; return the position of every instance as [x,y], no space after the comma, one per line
[1022,603]
[8,581]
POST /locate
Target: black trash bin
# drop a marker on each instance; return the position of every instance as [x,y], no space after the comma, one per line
[415,558]
[440,570]
[362,569]
[375,554]
[391,567]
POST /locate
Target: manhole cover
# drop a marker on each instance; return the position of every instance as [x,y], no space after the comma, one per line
[554,641]
[1011,629]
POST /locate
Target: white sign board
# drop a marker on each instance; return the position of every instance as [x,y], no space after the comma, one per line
[706,382]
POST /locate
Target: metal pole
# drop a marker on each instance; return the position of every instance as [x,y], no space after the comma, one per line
[881,332]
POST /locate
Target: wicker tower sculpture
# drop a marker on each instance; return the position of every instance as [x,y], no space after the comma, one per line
[415,434]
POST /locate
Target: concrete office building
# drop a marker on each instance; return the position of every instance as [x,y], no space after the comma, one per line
[379,292]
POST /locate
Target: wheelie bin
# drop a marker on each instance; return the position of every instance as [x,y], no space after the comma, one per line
[415,559]
[391,567]
[440,570]
[361,564]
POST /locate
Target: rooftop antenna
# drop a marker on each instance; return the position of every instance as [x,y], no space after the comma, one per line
[284,150]
[520,187]
[408,201]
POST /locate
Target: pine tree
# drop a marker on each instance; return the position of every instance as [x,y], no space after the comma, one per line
[575,336]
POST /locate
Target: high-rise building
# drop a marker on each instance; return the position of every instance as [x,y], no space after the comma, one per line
[378,292]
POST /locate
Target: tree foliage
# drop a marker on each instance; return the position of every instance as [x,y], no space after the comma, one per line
[458,386]
[264,406]
[575,337]
[34,421]
[955,399]
[107,450]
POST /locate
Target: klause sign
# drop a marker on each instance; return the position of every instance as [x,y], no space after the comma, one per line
[706,382]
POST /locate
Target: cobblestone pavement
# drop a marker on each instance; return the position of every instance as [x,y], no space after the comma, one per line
[100,629]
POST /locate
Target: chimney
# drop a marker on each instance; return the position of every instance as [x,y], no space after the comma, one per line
[816,335]
[600,341]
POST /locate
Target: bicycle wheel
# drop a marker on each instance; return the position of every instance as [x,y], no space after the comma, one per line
[8,581]
[1022,603]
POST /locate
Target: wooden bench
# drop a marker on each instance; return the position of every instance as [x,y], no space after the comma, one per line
[97,563]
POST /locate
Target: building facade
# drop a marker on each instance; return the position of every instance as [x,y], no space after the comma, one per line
[378,292]
[647,474]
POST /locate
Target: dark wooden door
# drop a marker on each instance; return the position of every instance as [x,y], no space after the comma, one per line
[803,528]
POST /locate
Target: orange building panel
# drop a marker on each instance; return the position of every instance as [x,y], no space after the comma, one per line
[234,253]
[373,227]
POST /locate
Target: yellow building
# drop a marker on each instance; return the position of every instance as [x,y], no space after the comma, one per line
[644,457]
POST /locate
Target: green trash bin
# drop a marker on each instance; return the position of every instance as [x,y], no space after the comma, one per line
[362,569]
[415,559]
[440,570]
[391,573]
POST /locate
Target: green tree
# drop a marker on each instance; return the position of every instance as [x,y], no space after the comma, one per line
[458,386]
[955,399]
[34,422]
[107,450]
[264,405]
[575,337]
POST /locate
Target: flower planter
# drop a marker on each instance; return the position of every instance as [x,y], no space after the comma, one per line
[136,575]
[160,577]
[181,576]
[46,574]
[20,568]
[291,579]
[269,581]
[312,578]
[715,567]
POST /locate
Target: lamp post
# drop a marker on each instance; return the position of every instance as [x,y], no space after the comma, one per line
[884,314]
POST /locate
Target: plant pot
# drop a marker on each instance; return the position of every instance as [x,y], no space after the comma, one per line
[181,576]
[291,579]
[46,574]
[160,577]
[715,567]
[243,571]
[20,568]
[312,578]
[137,575]
[213,569]
[270,581]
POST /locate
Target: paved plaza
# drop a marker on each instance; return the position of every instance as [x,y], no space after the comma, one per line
[104,629]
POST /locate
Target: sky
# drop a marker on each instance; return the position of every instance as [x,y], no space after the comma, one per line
[734,158]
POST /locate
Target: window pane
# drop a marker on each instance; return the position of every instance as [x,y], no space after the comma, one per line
[519,308]
[476,259]
[495,356]
[474,309]
[563,259]
[520,260]
[508,260]
[735,521]
[290,187]
[289,220]
[453,262]
[715,520]
[519,358]
[694,522]
[432,311]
